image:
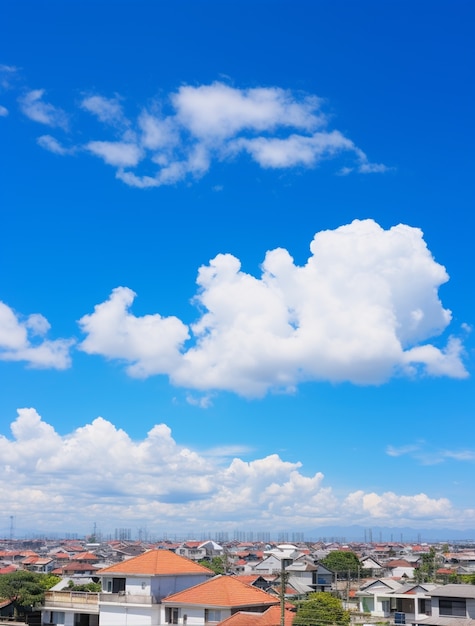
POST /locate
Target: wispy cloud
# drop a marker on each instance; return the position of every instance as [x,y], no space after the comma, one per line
[425,454]
[53,145]
[35,108]
[8,76]
[3,111]
[180,137]
[24,339]
[107,110]
[86,474]
[360,310]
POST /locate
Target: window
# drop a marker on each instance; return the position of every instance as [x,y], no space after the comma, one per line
[448,606]
[57,617]
[424,606]
[118,585]
[212,615]
[171,615]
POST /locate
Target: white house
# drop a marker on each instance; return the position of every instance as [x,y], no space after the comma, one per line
[386,597]
[132,592]
[215,600]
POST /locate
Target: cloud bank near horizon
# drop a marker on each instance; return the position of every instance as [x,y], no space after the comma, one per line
[180,136]
[361,310]
[98,473]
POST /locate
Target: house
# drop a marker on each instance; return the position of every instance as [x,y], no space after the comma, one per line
[132,592]
[42,565]
[452,605]
[271,617]
[213,601]
[400,568]
[192,550]
[386,597]
[374,567]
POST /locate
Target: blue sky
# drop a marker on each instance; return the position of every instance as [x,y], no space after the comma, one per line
[236,265]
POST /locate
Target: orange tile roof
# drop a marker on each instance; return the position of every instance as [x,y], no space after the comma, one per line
[248,578]
[85,556]
[156,563]
[271,617]
[223,592]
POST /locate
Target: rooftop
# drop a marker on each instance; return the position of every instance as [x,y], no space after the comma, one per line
[222,592]
[155,563]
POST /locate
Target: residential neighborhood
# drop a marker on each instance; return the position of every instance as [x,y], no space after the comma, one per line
[239,583]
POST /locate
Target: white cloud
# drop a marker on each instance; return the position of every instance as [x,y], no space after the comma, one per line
[117,153]
[3,111]
[427,455]
[23,339]
[107,110]
[294,150]
[52,145]
[360,310]
[181,137]
[97,472]
[8,74]
[390,506]
[34,107]
[150,344]
[218,111]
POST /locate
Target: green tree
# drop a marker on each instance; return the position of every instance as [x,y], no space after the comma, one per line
[48,580]
[216,564]
[344,563]
[321,609]
[23,589]
[426,571]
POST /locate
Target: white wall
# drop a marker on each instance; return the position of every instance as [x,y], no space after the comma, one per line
[129,616]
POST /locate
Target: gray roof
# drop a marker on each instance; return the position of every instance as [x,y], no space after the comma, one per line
[446,621]
[454,591]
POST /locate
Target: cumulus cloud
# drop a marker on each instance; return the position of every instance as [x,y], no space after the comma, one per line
[150,343]
[361,309]
[24,339]
[36,109]
[181,136]
[97,472]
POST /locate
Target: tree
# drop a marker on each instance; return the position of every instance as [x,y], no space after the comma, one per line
[217,564]
[23,589]
[427,568]
[48,580]
[321,609]
[343,562]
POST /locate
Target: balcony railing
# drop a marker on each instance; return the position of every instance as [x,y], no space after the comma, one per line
[71,599]
[123,597]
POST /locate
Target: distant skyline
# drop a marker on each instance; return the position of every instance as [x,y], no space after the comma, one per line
[236,284]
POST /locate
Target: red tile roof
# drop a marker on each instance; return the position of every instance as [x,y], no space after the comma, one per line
[222,592]
[271,617]
[156,563]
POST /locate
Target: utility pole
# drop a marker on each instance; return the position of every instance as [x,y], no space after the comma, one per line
[283,583]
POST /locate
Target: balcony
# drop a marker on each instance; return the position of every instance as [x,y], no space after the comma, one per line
[124,597]
[77,600]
